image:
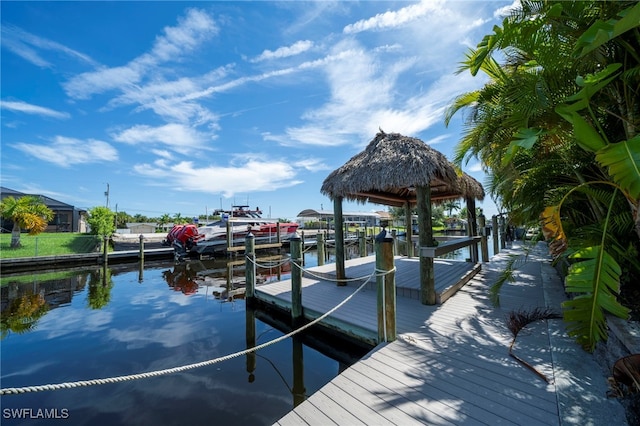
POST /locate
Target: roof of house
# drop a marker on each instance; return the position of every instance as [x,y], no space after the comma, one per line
[48,201]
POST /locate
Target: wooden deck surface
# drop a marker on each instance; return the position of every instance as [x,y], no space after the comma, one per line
[450,364]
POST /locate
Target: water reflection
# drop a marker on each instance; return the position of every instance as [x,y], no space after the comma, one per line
[120,321]
[100,285]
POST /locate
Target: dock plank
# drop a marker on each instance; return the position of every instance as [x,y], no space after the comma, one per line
[450,363]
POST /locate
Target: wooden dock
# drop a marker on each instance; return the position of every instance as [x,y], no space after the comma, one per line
[450,364]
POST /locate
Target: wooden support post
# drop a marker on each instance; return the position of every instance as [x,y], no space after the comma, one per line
[386,283]
[278,237]
[339,238]
[484,248]
[362,243]
[141,253]
[472,229]
[320,247]
[408,219]
[250,266]
[502,232]
[395,242]
[496,234]
[425,234]
[302,244]
[296,279]
[229,235]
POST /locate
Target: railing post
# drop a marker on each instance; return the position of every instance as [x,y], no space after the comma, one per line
[396,248]
[321,246]
[229,235]
[296,279]
[482,224]
[250,266]
[362,243]
[386,284]
[496,234]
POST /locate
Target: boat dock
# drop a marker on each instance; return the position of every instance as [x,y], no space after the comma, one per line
[450,363]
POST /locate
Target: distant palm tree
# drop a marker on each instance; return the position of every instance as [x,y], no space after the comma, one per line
[164,220]
[28,212]
[451,206]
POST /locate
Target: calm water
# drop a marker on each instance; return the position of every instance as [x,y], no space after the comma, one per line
[101,323]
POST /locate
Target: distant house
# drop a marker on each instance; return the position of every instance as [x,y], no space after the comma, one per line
[351,218]
[66,217]
[141,228]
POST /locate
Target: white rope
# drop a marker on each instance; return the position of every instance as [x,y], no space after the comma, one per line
[117,379]
[324,278]
[269,265]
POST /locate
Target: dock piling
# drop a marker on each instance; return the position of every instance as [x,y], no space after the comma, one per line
[296,278]
[386,284]
[250,266]
[321,247]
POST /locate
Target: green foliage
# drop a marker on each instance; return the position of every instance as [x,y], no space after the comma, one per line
[28,212]
[596,280]
[623,161]
[101,220]
[557,125]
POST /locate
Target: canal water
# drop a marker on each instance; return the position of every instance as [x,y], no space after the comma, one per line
[89,323]
[98,323]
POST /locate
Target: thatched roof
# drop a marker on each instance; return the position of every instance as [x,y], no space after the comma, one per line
[389,169]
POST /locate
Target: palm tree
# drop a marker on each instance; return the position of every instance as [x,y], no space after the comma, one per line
[451,206]
[28,212]
[164,220]
[568,89]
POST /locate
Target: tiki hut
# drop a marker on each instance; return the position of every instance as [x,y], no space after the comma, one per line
[397,170]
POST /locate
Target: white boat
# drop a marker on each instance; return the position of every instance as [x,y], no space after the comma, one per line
[232,229]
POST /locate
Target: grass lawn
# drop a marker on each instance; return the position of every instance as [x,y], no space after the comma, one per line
[48,244]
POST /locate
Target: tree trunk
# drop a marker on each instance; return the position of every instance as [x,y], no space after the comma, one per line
[15,235]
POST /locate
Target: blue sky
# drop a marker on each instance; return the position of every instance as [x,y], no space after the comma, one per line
[186,107]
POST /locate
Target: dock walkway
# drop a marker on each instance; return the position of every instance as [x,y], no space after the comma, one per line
[450,364]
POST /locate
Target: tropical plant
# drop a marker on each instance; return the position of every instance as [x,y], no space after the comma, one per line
[122,218]
[101,219]
[450,206]
[556,127]
[28,212]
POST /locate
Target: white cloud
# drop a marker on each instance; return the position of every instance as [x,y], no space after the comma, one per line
[283,52]
[312,165]
[506,10]
[252,174]
[32,109]
[392,19]
[23,43]
[66,152]
[191,31]
[174,136]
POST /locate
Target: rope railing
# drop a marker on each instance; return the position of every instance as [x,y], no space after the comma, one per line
[118,379]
